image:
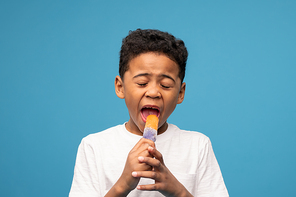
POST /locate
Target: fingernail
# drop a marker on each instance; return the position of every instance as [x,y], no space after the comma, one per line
[134,174]
[141,158]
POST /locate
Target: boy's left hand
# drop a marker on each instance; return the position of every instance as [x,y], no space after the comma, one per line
[165,181]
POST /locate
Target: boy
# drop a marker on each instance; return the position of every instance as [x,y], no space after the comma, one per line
[118,161]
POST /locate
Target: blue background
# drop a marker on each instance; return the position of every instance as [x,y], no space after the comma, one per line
[58,61]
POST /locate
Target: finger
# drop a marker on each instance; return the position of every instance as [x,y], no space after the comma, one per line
[150,187]
[150,161]
[141,148]
[155,153]
[147,141]
[144,141]
[143,167]
[146,174]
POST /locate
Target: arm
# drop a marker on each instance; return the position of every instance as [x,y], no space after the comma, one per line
[87,181]
[165,182]
[127,182]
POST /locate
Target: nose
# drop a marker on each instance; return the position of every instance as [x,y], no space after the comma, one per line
[153,92]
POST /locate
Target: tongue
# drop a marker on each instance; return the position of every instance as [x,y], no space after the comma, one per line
[148,111]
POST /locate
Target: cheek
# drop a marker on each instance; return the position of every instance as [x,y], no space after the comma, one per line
[171,104]
[131,103]
[169,107]
[172,99]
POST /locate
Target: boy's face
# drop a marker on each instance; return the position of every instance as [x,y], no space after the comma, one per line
[151,85]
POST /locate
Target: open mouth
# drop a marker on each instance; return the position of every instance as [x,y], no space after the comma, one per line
[149,110]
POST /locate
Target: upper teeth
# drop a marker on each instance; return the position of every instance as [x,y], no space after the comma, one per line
[151,107]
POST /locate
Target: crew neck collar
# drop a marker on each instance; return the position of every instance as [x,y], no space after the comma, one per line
[159,138]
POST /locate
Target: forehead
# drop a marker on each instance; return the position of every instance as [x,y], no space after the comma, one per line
[154,63]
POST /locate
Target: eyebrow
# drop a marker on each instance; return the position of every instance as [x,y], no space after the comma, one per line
[162,75]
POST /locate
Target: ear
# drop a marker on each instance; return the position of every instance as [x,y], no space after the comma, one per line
[119,89]
[181,93]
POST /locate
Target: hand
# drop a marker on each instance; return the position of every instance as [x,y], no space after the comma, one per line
[165,181]
[127,182]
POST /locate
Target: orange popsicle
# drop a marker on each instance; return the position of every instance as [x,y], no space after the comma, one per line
[151,126]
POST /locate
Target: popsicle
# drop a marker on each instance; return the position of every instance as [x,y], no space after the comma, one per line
[151,126]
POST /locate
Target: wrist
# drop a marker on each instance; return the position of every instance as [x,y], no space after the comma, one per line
[118,190]
[122,189]
[184,192]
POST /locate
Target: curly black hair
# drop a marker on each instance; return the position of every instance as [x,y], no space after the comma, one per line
[150,40]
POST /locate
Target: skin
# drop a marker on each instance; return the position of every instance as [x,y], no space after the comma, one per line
[151,80]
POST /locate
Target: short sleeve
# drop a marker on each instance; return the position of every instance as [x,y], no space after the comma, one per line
[210,180]
[85,181]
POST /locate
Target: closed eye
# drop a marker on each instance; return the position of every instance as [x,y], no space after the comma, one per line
[142,84]
[164,86]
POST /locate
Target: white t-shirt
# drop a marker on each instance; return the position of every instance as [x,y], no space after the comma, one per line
[188,155]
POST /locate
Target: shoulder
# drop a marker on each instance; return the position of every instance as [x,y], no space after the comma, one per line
[103,136]
[189,139]
[189,134]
